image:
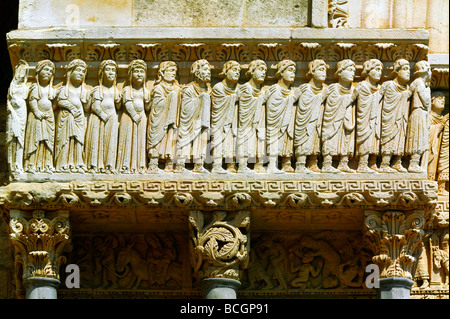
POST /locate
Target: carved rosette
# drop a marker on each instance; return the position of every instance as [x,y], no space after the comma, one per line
[219,248]
[39,242]
[395,238]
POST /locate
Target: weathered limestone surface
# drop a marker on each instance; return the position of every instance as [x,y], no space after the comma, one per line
[132,81]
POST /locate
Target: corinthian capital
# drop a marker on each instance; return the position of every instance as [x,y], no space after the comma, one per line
[39,240]
[396,240]
[219,247]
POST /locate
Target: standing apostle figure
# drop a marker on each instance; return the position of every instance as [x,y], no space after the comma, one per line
[280,111]
[195,118]
[251,135]
[394,118]
[368,113]
[163,118]
[224,118]
[338,134]
[308,118]
[417,134]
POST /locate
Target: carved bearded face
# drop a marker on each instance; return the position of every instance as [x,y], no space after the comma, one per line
[320,74]
[169,74]
[203,73]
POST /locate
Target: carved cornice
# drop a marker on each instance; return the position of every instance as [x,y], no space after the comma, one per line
[396,240]
[219,246]
[39,242]
[215,51]
[211,194]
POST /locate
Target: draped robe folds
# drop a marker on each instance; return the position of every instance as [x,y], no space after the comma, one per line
[131,153]
[102,136]
[417,133]
[194,121]
[70,128]
[338,133]
[394,118]
[16,121]
[280,111]
[223,121]
[437,123]
[443,165]
[40,133]
[308,120]
[251,125]
[163,121]
[368,112]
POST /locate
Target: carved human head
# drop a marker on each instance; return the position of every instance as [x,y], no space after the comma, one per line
[45,69]
[257,70]
[437,101]
[21,72]
[231,71]
[167,72]
[108,69]
[76,71]
[317,69]
[137,71]
[372,69]
[286,71]
[201,70]
[422,69]
[345,70]
[401,70]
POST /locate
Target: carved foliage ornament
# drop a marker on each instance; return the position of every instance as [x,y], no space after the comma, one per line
[39,243]
[220,247]
[396,240]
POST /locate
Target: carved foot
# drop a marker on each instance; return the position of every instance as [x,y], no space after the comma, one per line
[303,169]
[244,170]
[330,169]
[365,169]
[416,169]
[218,169]
[274,170]
[199,169]
[259,168]
[400,168]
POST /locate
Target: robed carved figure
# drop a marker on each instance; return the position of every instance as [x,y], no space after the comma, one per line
[103,124]
[280,111]
[195,118]
[16,110]
[394,118]
[40,133]
[131,154]
[163,118]
[308,118]
[417,134]
[224,118]
[251,135]
[368,116]
[72,101]
[338,133]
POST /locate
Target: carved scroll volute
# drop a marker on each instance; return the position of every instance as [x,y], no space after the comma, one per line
[39,242]
[396,240]
[220,247]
